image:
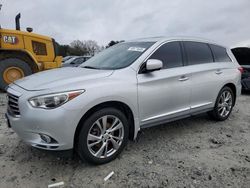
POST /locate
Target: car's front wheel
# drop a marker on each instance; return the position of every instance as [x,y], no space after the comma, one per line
[224,104]
[103,136]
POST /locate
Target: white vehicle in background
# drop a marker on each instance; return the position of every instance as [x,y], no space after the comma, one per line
[75,61]
[67,58]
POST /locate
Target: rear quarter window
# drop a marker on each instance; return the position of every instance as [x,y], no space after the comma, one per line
[220,53]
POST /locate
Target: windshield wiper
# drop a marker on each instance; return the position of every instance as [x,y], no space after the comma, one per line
[89,67]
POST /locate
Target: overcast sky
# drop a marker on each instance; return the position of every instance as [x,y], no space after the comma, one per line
[224,21]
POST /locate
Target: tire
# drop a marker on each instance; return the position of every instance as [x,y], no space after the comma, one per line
[16,63]
[217,112]
[94,154]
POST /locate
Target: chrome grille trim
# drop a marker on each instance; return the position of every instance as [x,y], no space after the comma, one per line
[13,108]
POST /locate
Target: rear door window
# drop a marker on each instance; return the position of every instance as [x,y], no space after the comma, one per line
[198,53]
[220,53]
[170,54]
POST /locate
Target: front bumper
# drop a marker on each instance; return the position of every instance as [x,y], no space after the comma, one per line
[58,124]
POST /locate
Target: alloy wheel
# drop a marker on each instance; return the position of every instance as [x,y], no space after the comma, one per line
[105,136]
[225,103]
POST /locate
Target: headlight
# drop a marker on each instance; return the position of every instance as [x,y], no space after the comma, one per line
[53,100]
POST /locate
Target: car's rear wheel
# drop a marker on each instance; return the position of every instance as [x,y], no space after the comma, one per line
[224,104]
[103,136]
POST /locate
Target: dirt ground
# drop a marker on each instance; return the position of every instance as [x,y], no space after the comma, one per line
[195,152]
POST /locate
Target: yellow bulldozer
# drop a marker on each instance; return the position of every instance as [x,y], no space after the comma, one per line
[23,53]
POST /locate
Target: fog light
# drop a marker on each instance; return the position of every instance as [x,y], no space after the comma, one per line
[45,138]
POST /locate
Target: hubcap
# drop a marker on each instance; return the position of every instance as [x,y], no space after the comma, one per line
[12,73]
[105,136]
[225,103]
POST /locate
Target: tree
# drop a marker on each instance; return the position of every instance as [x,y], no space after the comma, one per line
[80,48]
[91,47]
[64,50]
[86,47]
[77,47]
[112,43]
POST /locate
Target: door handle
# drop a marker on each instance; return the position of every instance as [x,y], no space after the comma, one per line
[183,78]
[218,71]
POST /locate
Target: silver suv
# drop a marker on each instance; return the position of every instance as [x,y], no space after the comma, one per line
[96,107]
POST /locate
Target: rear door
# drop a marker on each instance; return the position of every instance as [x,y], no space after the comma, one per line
[164,94]
[207,75]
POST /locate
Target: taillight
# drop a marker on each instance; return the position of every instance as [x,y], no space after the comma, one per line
[241,69]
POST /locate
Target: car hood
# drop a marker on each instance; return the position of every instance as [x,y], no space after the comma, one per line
[60,77]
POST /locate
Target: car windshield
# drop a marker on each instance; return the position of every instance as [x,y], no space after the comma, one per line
[118,56]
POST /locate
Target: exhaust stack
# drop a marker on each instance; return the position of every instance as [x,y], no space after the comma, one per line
[18,21]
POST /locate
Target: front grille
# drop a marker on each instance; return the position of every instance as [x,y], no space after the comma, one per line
[13,107]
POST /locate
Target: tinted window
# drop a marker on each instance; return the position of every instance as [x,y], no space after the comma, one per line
[198,53]
[169,54]
[220,53]
[242,55]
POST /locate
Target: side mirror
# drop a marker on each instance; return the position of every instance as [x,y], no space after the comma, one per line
[153,65]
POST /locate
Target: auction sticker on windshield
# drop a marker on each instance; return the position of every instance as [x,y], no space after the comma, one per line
[136,49]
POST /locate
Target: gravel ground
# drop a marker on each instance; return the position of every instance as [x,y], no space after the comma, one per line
[195,152]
